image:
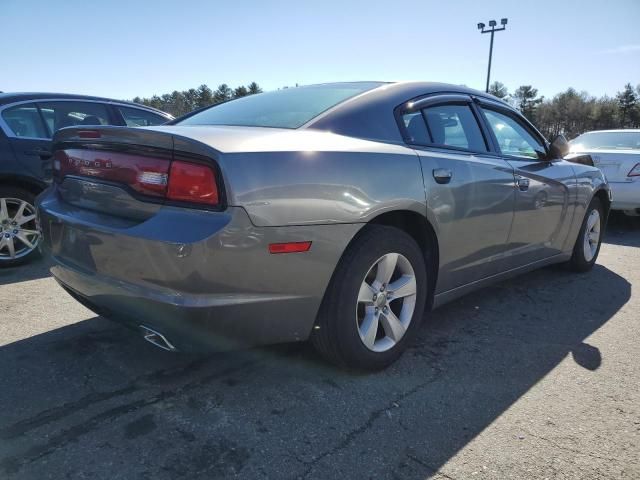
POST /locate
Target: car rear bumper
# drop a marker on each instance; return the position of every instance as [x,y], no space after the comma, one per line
[202,279]
[626,195]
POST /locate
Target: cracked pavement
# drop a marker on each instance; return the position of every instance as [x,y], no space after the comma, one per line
[536,377]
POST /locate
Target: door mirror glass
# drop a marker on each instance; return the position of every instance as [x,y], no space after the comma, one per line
[559,147]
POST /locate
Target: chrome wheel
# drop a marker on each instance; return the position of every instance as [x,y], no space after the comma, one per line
[19,232]
[386,302]
[592,235]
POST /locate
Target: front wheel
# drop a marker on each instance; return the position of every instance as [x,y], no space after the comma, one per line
[375,302]
[587,246]
[19,232]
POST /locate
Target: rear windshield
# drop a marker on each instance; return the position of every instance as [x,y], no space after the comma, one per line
[286,108]
[607,141]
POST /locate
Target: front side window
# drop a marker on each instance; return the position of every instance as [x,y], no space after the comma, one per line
[136,117]
[69,114]
[287,108]
[24,121]
[513,138]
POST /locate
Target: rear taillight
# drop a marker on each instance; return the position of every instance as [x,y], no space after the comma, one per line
[635,171]
[192,182]
[178,181]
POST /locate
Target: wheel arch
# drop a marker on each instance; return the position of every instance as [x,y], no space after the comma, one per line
[420,229]
[603,195]
[19,181]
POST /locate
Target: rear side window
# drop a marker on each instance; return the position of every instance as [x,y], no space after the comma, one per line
[513,138]
[416,128]
[136,117]
[69,114]
[24,121]
[446,125]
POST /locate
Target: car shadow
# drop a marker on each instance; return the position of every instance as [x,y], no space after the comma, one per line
[93,400]
[34,270]
[623,230]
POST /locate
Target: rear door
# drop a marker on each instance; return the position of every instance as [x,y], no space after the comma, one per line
[545,188]
[29,139]
[470,191]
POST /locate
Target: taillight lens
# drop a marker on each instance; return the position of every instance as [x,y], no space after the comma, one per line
[192,182]
[635,171]
[157,177]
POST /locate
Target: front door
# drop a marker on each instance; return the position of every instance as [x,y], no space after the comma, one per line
[544,189]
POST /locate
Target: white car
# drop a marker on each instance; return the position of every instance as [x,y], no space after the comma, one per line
[617,154]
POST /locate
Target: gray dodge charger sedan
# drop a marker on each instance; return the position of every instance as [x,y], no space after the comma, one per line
[338,213]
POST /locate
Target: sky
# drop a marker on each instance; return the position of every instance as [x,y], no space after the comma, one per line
[122,49]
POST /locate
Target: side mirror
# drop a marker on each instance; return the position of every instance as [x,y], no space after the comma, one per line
[559,147]
[581,158]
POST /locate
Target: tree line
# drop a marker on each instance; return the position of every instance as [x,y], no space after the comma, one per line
[571,112]
[178,103]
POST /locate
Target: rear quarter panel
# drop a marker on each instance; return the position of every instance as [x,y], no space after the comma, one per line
[325,185]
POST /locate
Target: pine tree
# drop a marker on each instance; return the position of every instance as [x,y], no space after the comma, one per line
[254,88]
[627,103]
[498,89]
[527,100]
[205,96]
[222,93]
[240,91]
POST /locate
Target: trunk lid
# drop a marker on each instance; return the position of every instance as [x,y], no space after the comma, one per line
[127,172]
[615,164]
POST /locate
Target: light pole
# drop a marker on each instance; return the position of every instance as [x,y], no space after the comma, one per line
[492,30]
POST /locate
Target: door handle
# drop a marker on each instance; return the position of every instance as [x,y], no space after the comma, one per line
[43,154]
[523,184]
[442,175]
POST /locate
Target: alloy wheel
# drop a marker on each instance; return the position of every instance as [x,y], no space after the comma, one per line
[592,235]
[386,302]
[19,232]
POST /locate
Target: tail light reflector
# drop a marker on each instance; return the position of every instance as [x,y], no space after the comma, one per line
[289,247]
[635,171]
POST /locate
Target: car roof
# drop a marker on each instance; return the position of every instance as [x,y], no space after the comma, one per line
[11,97]
[367,115]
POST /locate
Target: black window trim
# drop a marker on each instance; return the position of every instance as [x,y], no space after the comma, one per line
[483,104]
[435,99]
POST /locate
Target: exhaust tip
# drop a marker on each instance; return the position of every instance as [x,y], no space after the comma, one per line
[157,339]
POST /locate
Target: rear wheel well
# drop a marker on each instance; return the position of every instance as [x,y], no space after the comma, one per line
[18,182]
[419,228]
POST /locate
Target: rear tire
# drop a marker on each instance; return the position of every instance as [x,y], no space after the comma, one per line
[19,231]
[375,302]
[587,246]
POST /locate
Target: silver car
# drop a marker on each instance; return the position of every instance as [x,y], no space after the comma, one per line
[617,154]
[338,213]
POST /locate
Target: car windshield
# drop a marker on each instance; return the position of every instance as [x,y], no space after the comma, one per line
[286,108]
[607,140]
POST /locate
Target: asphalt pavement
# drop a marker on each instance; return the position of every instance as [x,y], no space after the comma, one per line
[537,377]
